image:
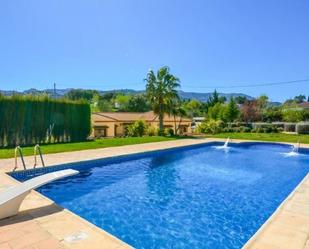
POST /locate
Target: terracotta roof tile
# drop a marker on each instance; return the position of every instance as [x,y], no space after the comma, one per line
[304,104]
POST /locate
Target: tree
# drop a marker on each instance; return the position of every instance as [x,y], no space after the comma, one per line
[109,96]
[262,101]
[215,98]
[161,90]
[291,115]
[79,94]
[104,106]
[240,100]
[300,98]
[216,112]
[138,103]
[176,110]
[272,114]
[192,108]
[122,102]
[250,111]
[231,112]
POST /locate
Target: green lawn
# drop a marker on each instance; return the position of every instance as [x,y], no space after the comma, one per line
[112,142]
[274,137]
[99,143]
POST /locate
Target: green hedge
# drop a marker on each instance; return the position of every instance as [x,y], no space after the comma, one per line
[26,120]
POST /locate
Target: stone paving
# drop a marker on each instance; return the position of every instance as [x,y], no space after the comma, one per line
[41,224]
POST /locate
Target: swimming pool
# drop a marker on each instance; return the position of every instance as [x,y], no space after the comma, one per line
[192,197]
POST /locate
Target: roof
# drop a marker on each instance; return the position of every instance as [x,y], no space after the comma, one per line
[131,117]
[304,104]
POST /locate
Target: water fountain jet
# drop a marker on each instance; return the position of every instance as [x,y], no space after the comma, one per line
[294,152]
[225,146]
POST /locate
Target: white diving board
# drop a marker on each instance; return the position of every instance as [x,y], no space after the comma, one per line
[11,198]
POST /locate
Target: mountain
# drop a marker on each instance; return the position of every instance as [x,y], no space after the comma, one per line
[203,97]
[32,91]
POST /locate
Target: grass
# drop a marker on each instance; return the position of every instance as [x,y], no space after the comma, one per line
[269,137]
[99,143]
[112,142]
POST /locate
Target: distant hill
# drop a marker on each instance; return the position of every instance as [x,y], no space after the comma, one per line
[203,97]
[33,91]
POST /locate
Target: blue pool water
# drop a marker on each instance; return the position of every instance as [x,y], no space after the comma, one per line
[194,197]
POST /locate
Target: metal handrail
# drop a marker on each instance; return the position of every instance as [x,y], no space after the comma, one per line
[38,148]
[18,150]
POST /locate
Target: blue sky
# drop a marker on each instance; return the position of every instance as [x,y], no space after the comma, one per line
[107,44]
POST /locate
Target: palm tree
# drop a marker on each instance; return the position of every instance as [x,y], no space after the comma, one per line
[176,110]
[161,90]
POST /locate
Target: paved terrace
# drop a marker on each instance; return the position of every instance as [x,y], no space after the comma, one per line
[43,224]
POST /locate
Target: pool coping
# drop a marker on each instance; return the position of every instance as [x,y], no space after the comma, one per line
[253,242]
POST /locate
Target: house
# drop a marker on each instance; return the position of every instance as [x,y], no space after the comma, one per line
[297,107]
[196,122]
[114,124]
[304,105]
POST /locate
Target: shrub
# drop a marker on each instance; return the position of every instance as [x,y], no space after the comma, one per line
[289,127]
[245,129]
[236,129]
[137,129]
[151,131]
[275,129]
[260,130]
[239,124]
[302,128]
[210,126]
[228,129]
[169,132]
[161,133]
[260,125]
[278,124]
[265,127]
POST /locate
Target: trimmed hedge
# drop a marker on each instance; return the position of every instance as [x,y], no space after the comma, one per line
[302,128]
[26,120]
[264,128]
[278,124]
[239,124]
[237,129]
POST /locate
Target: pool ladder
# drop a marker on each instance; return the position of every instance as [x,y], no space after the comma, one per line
[18,150]
[37,150]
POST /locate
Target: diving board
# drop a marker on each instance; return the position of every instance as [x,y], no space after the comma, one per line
[11,198]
